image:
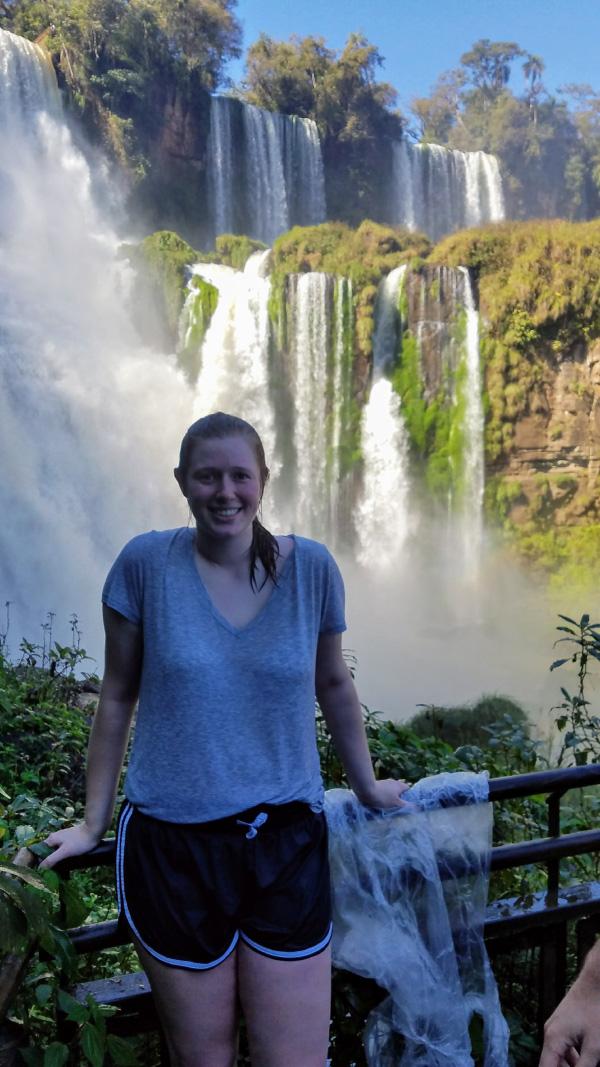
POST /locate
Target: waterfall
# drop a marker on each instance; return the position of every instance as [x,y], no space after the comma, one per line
[473,450]
[221,173]
[388,321]
[266,170]
[303,167]
[86,452]
[383,515]
[383,521]
[340,402]
[27,82]
[234,367]
[439,190]
[265,173]
[310,308]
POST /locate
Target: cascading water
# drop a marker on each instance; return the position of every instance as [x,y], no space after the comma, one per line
[340,402]
[311,301]
[383,520]
[473,464]
[303,167]
[388,320]
[234,366]
[265,173]
[86,453]
[221,172]
[266,170]
[439,190]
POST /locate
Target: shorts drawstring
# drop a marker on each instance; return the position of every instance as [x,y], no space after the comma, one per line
[255,825]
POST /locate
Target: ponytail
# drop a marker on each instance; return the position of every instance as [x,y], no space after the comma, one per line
[264,547]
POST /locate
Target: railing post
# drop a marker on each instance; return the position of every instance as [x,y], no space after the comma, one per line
[552,981]
[553,865]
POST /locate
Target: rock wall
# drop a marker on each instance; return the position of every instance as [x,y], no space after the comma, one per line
[552,470]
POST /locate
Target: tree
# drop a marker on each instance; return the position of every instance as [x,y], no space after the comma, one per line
[438,114]
[533,68]
[488,65]
[285,75]
[585,103]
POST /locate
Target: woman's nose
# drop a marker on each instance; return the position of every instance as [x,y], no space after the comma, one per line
[225,486]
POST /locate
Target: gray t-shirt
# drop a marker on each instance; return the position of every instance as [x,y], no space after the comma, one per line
[226,716]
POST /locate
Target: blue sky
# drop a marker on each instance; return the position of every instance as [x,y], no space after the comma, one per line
[421,38]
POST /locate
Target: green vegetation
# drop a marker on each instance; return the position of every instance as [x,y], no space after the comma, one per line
[161,262]
[539,289]
[234,250]
[118,59]
[468,725]
[435,423]
[539,282]
[201,305]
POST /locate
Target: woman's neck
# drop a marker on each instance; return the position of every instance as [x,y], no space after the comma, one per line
[233,553]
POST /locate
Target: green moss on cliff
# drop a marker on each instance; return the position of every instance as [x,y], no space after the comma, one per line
[234,250]
[539,289]
[161,262]
[200,307]
[568,556]
[436,423]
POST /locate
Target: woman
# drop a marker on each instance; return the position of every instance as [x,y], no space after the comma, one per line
[225,633]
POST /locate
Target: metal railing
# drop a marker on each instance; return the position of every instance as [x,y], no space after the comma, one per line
[510,925]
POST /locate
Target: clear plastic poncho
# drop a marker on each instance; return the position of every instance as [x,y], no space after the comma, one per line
[409,899]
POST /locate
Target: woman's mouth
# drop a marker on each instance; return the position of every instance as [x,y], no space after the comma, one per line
[225,513]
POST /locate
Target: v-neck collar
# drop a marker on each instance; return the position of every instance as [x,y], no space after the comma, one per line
[239,631]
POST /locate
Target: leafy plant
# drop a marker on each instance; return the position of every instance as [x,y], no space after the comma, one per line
[574,721]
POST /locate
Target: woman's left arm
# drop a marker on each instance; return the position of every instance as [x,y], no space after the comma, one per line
[341,708]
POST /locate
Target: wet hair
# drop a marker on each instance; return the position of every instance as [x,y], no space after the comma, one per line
[264,545]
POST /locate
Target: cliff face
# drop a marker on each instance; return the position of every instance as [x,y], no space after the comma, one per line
[553,467]
[173,193]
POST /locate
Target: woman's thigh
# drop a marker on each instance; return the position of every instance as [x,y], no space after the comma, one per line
[198,1010]
[287,1006]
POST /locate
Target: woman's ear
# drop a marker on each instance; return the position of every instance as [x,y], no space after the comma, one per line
[179,479]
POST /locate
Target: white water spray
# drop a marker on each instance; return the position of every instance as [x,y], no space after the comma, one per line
[86,452]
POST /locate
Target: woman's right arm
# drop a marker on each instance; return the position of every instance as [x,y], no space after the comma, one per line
[108,738]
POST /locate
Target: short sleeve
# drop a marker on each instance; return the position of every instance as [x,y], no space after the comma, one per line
[124,586]
[333,618]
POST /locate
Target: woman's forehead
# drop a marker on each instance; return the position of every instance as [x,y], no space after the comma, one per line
[234,451]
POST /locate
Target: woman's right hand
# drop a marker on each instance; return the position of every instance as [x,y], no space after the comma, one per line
[72,841]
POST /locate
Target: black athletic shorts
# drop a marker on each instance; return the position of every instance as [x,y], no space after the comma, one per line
[189,891]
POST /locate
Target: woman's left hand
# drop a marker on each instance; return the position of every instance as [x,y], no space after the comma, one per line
[386,793]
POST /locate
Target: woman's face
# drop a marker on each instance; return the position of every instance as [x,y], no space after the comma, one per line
[223,485]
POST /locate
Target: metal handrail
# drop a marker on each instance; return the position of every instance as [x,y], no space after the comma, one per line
[554,782]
